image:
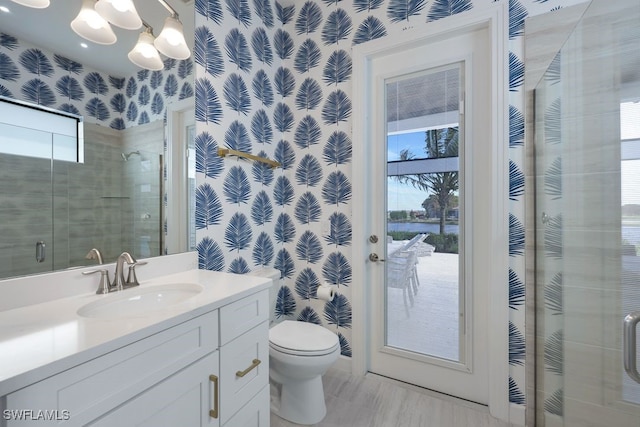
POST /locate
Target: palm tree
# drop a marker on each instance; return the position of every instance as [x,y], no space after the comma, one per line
[439,143]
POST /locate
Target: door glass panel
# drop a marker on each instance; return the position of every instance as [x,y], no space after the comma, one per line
[191,187]
[424,296]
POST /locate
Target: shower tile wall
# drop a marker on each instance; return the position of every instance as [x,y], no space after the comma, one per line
[116,110]
[275,77]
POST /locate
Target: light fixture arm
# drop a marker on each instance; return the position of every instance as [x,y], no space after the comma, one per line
[167,6]
[147,28]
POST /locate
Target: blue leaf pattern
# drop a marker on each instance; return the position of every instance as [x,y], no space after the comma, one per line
[98,109]
[261,127]
[264,12]
[284,82]
[443,8]
[283,117]
[261,209]
[336,189]
[337,27]
[516,290]
[208,108]
[283,44]
[156,79]
[337,108]
[309,171]
[307,133]
[119,103]
[236,94]
[237,48]
[336,269]
[339,230]
[239,266]
[144,96]
[6,92]
[309,18]
[309,248]
[236,187]
[517,15]
[345,348]
[307,284]
[285,229]
[210,256]
[262,46]
[206,52]
[117,82]
[401,10]
[308,209]
[367,5]
[208,207]
[8,70]
[337,150]
[517,347]
[283,191]
[211,9]
[285,155]
[338,68]
[170,86]
[307,57]
[70,88]
[262,89]
[263,250]
[516,72]
[370,29]
[516,236]
[237,137]
[36,62]
[516,181]
[285,13]
[95,83]
[238,235]
[207,160]
[338,311]
[309,315]
[132,88]
[262,172]
[285,303]
[157,105]
[284,263]
[516,127]
[239,9]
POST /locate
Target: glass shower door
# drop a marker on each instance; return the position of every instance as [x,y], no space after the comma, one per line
[587,145]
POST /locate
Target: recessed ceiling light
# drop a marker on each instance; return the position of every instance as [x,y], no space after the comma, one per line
[84,45]
[4,9]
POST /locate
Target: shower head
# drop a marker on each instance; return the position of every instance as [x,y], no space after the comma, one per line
[125,156]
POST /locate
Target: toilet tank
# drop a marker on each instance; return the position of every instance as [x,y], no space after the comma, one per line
[274,275]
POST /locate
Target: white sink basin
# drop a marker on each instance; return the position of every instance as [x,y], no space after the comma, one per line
[139,301]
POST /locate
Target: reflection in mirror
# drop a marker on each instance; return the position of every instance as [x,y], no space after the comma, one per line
[115,198]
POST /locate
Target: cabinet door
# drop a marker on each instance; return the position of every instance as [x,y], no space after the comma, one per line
[244,369]
[256,413]
[183,399]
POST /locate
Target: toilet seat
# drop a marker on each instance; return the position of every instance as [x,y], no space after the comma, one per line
[302,339]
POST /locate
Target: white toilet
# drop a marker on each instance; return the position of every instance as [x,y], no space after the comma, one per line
[299,354]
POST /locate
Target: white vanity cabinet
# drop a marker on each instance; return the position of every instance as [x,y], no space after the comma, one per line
[212,370]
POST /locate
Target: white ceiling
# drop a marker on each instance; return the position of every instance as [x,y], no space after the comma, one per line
[49,28]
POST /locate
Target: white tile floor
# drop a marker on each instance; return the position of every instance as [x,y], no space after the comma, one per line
[375,401]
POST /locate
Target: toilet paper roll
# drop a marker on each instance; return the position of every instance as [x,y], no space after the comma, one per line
[326,292]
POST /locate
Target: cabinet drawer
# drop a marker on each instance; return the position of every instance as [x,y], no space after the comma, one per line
[109,380]
[240,316]
[256,413]
[238,357]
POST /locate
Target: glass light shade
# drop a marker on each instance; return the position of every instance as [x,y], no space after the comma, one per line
[144,54]
[171,41]
[37,4]
[121,13]
[93,27]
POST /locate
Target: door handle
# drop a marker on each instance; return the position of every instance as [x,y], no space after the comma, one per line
[375,258]
[629,345]
[41,253]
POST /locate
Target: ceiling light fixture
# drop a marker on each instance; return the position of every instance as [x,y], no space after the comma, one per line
[171,40]
[36,4]
[91,26]
[144,53]
[121,13]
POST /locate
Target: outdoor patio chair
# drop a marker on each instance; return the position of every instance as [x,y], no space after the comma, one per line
[400,275]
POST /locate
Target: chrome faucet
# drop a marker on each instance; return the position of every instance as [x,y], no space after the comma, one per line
[94,254]
[119,282]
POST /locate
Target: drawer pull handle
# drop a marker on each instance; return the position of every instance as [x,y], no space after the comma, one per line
[213,413]
[254,364]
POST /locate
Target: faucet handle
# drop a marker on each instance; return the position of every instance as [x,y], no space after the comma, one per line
[132,280]
[105,285]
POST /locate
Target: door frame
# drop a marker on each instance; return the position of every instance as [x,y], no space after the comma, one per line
[495,19]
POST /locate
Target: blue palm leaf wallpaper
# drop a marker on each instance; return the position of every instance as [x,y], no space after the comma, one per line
[309,315]
[240,10]
[207,160]
[238,234]
[6,92]
[309,95]
[210,9]
[283,44]
[170,86]
[285,303]
[262,89]
[337,150]
[262,172]
[402,10]
[38,92]
[69,65]
[155,81]
[144,96]
[261,209]
[210,256]
[208,108]
[239,266]
[262,46]
[96,84]
[117,82]
[8,70]
[207,53]
[309,171]
[285,155]
[338,68]
[236,94]
[283,117]
[307,284]
[309,18]
[516,72]
[337,27]
[236,187]
[264,12]
[309,248]
[553,179]
[338,311]
[308,209]
[237,137]
[555,403]
[370,29]
[285,229]
[119,103]
[68,87]
[311,43]
[307,57]
[36,62]
[443,8]
[261,127]
[131,88]
[554,295]
[157,104]
[237,48]
[516,346]
[263,250]
[208,207]
[98,109]
[284,82]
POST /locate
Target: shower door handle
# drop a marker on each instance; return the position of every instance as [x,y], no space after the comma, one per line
[41,253]
[629,345]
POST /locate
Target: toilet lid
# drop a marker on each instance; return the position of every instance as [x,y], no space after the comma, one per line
[302,337]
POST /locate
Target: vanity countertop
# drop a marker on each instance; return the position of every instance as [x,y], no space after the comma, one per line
[41,340]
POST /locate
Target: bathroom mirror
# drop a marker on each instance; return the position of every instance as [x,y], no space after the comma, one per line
[133,189]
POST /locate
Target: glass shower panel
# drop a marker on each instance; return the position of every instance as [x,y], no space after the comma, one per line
[26,210]
[587,149]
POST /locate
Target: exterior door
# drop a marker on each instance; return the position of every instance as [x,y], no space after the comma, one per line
[430,243]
